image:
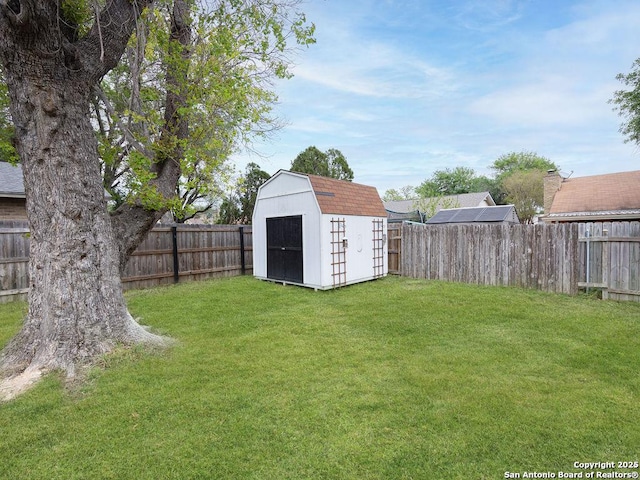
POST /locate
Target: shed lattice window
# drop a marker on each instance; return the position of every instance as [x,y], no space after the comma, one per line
[338,252]
[378,248]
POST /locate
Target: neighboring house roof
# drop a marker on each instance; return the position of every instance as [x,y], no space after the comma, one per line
[409,210]
[414,216]
[11,184]
[611,196]
[401,206]
[346,198]
[462,200]
[499,214]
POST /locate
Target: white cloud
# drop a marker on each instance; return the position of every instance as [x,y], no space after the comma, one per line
[403,90]
[377,71]
[486,15]
[315,125]
[549,102]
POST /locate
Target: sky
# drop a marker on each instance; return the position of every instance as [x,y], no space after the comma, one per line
[407,87]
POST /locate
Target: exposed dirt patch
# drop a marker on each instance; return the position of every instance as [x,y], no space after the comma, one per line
[11,387]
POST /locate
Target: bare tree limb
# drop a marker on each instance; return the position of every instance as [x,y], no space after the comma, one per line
[125,131]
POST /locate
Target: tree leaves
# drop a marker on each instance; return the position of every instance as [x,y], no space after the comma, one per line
[238,49]
[452,182]
[525,190]
[238,207]
[627,103]
[331,163]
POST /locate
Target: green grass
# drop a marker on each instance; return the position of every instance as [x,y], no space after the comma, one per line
[393,379]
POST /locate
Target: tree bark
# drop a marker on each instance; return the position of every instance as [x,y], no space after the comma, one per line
[76,306]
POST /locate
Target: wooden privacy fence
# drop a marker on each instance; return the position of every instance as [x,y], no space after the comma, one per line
[610,259]
[168,254]
[540,256]
[190,252]
[556,258]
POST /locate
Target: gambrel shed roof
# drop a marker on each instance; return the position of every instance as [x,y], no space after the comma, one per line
[346,198]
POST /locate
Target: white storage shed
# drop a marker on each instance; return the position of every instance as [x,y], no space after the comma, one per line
[318,232]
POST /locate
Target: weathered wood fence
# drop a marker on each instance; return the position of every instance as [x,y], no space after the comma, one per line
[560,258]
[531,256]
[610,259]
[14,260]
[169,254]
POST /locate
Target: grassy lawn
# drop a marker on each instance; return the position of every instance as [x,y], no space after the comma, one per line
[393,379]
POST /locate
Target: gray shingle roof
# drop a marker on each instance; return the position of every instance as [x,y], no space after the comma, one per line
[501,213]
[463,200]
[11,184]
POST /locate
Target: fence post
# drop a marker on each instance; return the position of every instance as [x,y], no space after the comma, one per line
[606,264]
[588,266]
[243,266]
[176,267]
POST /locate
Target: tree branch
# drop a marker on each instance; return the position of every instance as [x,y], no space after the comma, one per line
[103,46]
[125,131]
[131,222]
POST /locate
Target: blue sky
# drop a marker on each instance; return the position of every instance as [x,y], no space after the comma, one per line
[407,87]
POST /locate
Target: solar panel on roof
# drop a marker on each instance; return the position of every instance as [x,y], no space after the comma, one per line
[472,215]
[443,216]
[494,214]
[466,215]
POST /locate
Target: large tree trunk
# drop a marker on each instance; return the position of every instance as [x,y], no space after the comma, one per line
[76,305]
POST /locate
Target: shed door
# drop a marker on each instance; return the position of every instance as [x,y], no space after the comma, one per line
[284,248]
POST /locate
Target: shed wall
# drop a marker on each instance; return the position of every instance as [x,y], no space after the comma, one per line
[359,261]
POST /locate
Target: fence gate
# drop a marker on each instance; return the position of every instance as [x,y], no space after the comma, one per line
[610,259]
[394,243]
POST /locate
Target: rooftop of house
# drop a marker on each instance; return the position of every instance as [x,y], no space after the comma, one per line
[346,198]
[11,184]
[459,201]
[493,214]
[598,194]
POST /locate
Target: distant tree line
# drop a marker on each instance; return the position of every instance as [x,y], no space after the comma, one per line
[518,180]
